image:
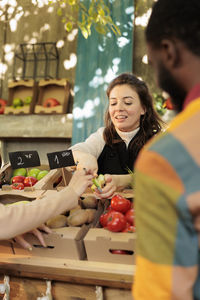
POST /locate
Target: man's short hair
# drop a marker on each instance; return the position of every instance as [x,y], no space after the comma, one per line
[179,19]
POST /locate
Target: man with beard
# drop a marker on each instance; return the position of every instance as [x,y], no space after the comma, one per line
[167,179]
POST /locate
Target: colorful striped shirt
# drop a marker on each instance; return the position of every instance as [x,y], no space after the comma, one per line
[167,197]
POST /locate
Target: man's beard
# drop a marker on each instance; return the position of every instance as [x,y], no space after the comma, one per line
[171,86]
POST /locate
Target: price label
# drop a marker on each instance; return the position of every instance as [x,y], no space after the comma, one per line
[24,159]
[61,159]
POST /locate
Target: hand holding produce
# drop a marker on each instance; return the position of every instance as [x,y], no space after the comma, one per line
[98,183]
[80,181]
[109,187]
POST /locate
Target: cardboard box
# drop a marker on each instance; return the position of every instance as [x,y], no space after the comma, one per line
[53,88]
[65,242]
[99,242]
[21,89]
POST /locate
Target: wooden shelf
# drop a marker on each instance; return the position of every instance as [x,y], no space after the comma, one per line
[36,126]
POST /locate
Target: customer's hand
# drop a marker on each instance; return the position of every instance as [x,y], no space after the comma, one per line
[21,239]
[80,180]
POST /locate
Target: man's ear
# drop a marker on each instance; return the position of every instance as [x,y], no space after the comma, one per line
[170,53]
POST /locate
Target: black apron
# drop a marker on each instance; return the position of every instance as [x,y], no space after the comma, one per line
[117,159]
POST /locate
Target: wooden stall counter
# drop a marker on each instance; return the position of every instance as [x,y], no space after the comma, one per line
[70,279]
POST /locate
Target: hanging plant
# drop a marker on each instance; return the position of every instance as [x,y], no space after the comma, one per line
[96,15]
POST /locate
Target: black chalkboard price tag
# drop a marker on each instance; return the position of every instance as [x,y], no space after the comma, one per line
[24,159]
[61,159]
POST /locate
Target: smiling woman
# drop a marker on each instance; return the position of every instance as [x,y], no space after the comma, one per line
[130,121]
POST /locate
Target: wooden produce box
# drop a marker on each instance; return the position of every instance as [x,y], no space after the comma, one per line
[6,174]
[55,180]
[21,89]
[53,88]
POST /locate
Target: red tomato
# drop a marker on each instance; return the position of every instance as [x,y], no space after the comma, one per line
[116,221]
[18,178]
[118,251]
[104,217]
[130,216]
[120,203]
[17,186]
[129,228]
[30,181]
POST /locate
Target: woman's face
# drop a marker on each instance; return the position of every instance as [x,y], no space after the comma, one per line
[125,108]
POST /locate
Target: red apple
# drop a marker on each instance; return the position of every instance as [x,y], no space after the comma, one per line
[30,181]
[2,105]
[51,102]
[18,178]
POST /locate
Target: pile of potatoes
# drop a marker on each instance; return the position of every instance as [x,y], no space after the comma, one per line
[84,213]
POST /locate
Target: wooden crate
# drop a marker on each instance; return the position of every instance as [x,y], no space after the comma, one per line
[6,174]
[53,88]
[21,89]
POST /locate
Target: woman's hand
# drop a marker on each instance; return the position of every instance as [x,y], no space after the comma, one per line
[114,183]
[80,180]
[20,239]
[85,160]
[109,189]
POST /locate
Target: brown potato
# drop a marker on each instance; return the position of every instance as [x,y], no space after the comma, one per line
[91,214]
[78,218]
[57,222]
[89,202]
[74,209]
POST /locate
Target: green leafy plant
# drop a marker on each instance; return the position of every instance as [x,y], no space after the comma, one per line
[96,15]
[159,103]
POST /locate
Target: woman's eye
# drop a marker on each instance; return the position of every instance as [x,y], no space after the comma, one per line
[128,103]
[113,103]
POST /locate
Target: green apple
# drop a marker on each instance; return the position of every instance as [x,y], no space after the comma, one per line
[17,102]
[42,174]
[20,171]
[33,172]
[27,100]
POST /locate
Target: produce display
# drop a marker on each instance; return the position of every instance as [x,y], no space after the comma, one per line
[21,178]
[119,215]
[84,213]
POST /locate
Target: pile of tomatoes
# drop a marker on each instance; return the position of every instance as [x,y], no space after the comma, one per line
[119,216]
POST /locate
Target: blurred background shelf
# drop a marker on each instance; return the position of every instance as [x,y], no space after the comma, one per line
[46,133]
